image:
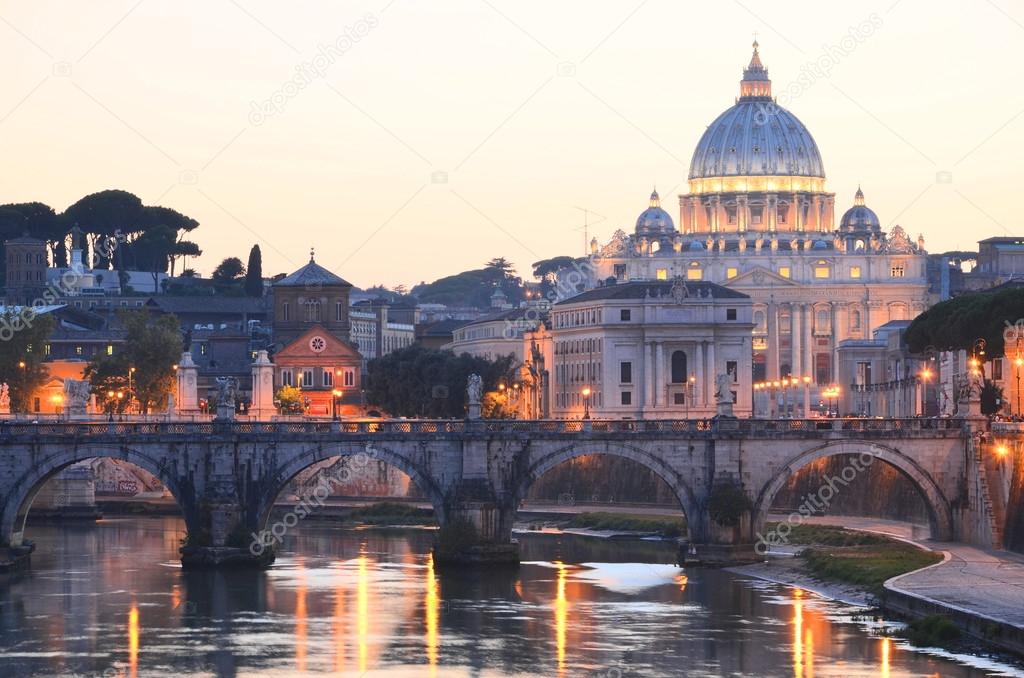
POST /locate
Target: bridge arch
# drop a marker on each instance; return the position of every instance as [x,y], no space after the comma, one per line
[22,492]
[655,464]
[295,464]
[865,453]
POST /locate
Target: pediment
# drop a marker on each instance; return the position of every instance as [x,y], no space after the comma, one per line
[303,346]
[759,277]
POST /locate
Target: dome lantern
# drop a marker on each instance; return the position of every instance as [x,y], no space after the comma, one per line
[756,83]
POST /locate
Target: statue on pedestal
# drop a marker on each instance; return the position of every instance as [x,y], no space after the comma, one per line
[474,392]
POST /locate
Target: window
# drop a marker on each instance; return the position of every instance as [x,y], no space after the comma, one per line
[731,272]
[620,271]
[855,272]
[678,398]
[202,349]
[328,377]
[997,369]
[730,314]
[338,316]
[821,322]
[285,312]
[784,271]
[110,349]
[307,378]
[78,350]
[287,378]
[678,367]
[626,397]
[896,271]
[313,311]
[350,378]
[821,272]
[624,315]
[732,370]
[661,274]
[46,349]
[855,320]
[626,373]
[694,274]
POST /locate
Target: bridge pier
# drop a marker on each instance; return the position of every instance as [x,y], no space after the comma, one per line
[478,528]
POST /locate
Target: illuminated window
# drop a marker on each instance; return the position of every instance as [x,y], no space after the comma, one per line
[662,274]
[110,349]
[896,271]
[78,350]
[731,272]
[695,274]
[855,271]
[821,272]
[784,271]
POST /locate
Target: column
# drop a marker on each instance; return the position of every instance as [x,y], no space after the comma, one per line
[715,213]
[772,352]
[770,207]
[795,337]
[742,214]
[659,374]
[648,376]
[685,214]
[813,216]
[701,216]
[698,387]
[808,343]
[262,388]
[712,374]
[798,221]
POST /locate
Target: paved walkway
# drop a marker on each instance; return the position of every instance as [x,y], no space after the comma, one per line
[986,582]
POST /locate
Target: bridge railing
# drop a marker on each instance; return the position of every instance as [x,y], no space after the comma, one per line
[756,427]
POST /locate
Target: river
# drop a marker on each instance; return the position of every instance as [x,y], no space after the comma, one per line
[110,599]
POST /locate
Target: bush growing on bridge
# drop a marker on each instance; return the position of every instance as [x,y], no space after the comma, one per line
[728,503]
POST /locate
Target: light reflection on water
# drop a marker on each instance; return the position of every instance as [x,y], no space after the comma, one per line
[111,597]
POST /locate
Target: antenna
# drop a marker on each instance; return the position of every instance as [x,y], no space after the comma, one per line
[586,226]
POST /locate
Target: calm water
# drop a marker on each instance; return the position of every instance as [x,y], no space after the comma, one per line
[111,600]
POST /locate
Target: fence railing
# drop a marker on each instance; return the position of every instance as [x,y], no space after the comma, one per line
[413,427]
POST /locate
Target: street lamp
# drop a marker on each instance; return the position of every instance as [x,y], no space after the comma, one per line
[925,376]
[58,400]
[120,397]
[131,371]
[110,406]
[586,402]
[336,396]
[1018,362]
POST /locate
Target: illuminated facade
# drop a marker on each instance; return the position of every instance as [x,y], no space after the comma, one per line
[757,219]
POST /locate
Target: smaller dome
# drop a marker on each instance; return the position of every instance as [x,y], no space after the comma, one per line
[696,246]
[860,217]
[654,221]
[819,245]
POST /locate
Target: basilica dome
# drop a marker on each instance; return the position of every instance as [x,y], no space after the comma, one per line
[860,218]
[756,137]
[654,222]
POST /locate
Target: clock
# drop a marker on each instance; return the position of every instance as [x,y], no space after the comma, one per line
[317,344]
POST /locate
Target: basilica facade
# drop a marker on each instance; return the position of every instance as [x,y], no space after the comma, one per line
[757,219]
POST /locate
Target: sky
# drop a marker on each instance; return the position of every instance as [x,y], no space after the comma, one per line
[409,140]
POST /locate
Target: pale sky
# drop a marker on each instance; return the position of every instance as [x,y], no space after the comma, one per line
[532,109]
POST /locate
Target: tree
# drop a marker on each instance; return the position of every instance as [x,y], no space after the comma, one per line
[501,266]
[956,324]
[289,400]
[152,249]
[416,381]
[104,215]
[37,220]
[152,347]
[254,273]
[228,271]
[22,337]
[183,248]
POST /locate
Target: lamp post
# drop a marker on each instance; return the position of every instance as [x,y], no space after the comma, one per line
[807,396]
[691,384]
[335,397]
[586,402]
[131,371]
[924,376]
[110,406]
[120,397]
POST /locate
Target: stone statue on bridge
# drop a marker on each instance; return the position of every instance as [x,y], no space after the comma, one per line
[723,395]
[5,398]
[227,390]
[474,392]
[76,397]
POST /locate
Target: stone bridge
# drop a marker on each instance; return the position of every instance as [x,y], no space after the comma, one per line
[225,476]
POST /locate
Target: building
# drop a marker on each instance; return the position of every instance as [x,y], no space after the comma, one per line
[378,328]
[643,349]
[880,377]
[311,295]
[25,275]
[758,220]
[312,326]
[497,335]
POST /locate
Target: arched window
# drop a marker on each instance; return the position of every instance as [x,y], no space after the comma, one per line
[678,367]
[855,320]
[759,324]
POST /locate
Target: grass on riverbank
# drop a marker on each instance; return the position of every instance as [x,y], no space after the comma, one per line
[860,558]
[391,513]
[666,526]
